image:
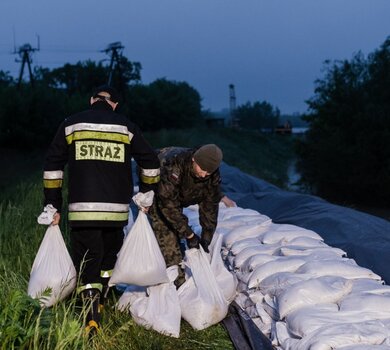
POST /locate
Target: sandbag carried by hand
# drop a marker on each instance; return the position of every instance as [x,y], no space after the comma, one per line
[53,276]
[140,261]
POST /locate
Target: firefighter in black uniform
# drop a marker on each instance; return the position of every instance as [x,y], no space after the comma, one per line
[97,145]
[188,176]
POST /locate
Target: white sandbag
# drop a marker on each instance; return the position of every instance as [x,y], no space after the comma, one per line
[256,220]
[243,243]
[53,275]
[129,296]
[366,302]
[256,296]
[364,285]
[244,231]
[246,253]
[325,289]
[314,252]
[238,214]
[270,306]
[224,227]
[226,280]
[304,241]
[159,308]
[307,319]
[243,276]
[282,337]
[337,335]
[281,281]
[140,260]
[265,318]
[201,300]
[243,300]
[271,267]
[344,268]
[241,286]
[263,326]
[304,321]
[256,260]
[364,347]
[286,233]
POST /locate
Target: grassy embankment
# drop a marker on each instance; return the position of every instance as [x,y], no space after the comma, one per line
[24,325]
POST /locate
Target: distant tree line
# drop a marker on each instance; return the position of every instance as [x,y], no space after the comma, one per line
[346,152]
[29,116]
[257,116]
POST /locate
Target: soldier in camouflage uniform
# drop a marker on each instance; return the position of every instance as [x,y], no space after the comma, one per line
[188,176]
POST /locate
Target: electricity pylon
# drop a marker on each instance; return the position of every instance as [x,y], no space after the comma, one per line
[25,53]
[115,51]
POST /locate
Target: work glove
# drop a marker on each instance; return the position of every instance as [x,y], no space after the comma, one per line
[205,244]
[193,242]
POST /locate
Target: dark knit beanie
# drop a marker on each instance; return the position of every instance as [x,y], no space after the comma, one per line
[114,95]
[208,157]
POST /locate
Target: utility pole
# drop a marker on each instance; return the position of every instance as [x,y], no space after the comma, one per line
[25,52]
[232,105]
[115,51]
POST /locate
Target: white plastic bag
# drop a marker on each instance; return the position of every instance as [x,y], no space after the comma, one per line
[143,200]
[201,299]
[140,260]
[159,307]
[53,276]
[46,217]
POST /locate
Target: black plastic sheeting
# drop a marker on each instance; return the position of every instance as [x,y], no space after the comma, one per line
[243,332]
[365,238]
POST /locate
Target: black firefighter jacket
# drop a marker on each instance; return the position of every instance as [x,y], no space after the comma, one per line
[98,144]
[179,188]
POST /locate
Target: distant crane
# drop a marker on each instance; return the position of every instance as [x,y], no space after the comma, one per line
[115,50]
[232,105]
[25,53]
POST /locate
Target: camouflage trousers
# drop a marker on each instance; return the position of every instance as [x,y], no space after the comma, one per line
[167,239]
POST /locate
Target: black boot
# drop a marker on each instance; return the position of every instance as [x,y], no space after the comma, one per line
[90,299]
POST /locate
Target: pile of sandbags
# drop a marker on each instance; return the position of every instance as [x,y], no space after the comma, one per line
[153,300]
[299,291]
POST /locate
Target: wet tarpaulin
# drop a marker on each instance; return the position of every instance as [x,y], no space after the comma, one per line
[365,238]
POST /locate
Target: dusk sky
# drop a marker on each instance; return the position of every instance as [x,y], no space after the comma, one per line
[270,50]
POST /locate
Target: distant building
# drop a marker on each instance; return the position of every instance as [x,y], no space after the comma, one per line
[217,119]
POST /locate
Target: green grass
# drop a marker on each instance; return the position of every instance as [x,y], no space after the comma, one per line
[24,325]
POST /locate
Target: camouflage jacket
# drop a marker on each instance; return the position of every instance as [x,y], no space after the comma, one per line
[179,188]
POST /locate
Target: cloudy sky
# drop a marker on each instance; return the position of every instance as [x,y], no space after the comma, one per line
[271,50]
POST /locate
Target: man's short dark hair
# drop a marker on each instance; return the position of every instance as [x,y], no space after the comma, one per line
[114,95]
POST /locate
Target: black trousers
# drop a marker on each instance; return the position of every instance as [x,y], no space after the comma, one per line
[94,250]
